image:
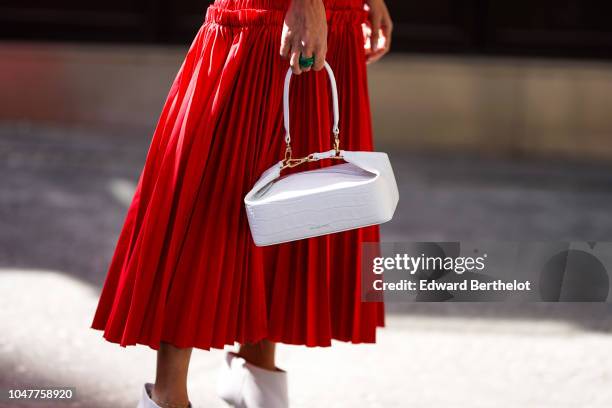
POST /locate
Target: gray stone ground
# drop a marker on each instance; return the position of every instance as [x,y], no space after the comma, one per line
[63,196]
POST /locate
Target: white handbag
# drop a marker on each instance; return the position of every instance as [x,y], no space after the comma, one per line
[358,193]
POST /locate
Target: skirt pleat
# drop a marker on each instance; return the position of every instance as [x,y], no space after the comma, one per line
[185,269]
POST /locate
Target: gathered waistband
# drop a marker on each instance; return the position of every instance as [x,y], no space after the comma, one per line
[272,12]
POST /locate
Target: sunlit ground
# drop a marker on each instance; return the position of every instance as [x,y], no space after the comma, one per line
[421,361]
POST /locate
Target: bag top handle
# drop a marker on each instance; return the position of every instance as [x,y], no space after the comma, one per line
[334,92]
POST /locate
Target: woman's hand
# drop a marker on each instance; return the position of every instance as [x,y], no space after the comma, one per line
[304,32]
[378,31]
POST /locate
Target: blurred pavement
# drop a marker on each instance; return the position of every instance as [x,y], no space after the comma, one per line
[63,196]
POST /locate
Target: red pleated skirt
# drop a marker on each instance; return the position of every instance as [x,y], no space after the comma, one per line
[185,269]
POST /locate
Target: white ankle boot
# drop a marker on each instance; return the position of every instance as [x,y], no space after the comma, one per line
[244,385]
[145,400]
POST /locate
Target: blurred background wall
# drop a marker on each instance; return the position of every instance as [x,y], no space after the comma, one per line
[514,78]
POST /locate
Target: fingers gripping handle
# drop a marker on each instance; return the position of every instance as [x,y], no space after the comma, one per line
[334,91]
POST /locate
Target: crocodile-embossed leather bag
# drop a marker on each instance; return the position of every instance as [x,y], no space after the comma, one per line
[359,192]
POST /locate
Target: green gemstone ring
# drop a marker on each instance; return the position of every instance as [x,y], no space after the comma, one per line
[306,62]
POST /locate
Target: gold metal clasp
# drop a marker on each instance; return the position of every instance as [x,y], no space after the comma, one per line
[290,162]
[287,153]
[337,141]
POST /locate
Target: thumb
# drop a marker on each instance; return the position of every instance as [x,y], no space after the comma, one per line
[375,34]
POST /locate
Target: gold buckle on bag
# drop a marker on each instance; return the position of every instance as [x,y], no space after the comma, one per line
[289,162]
